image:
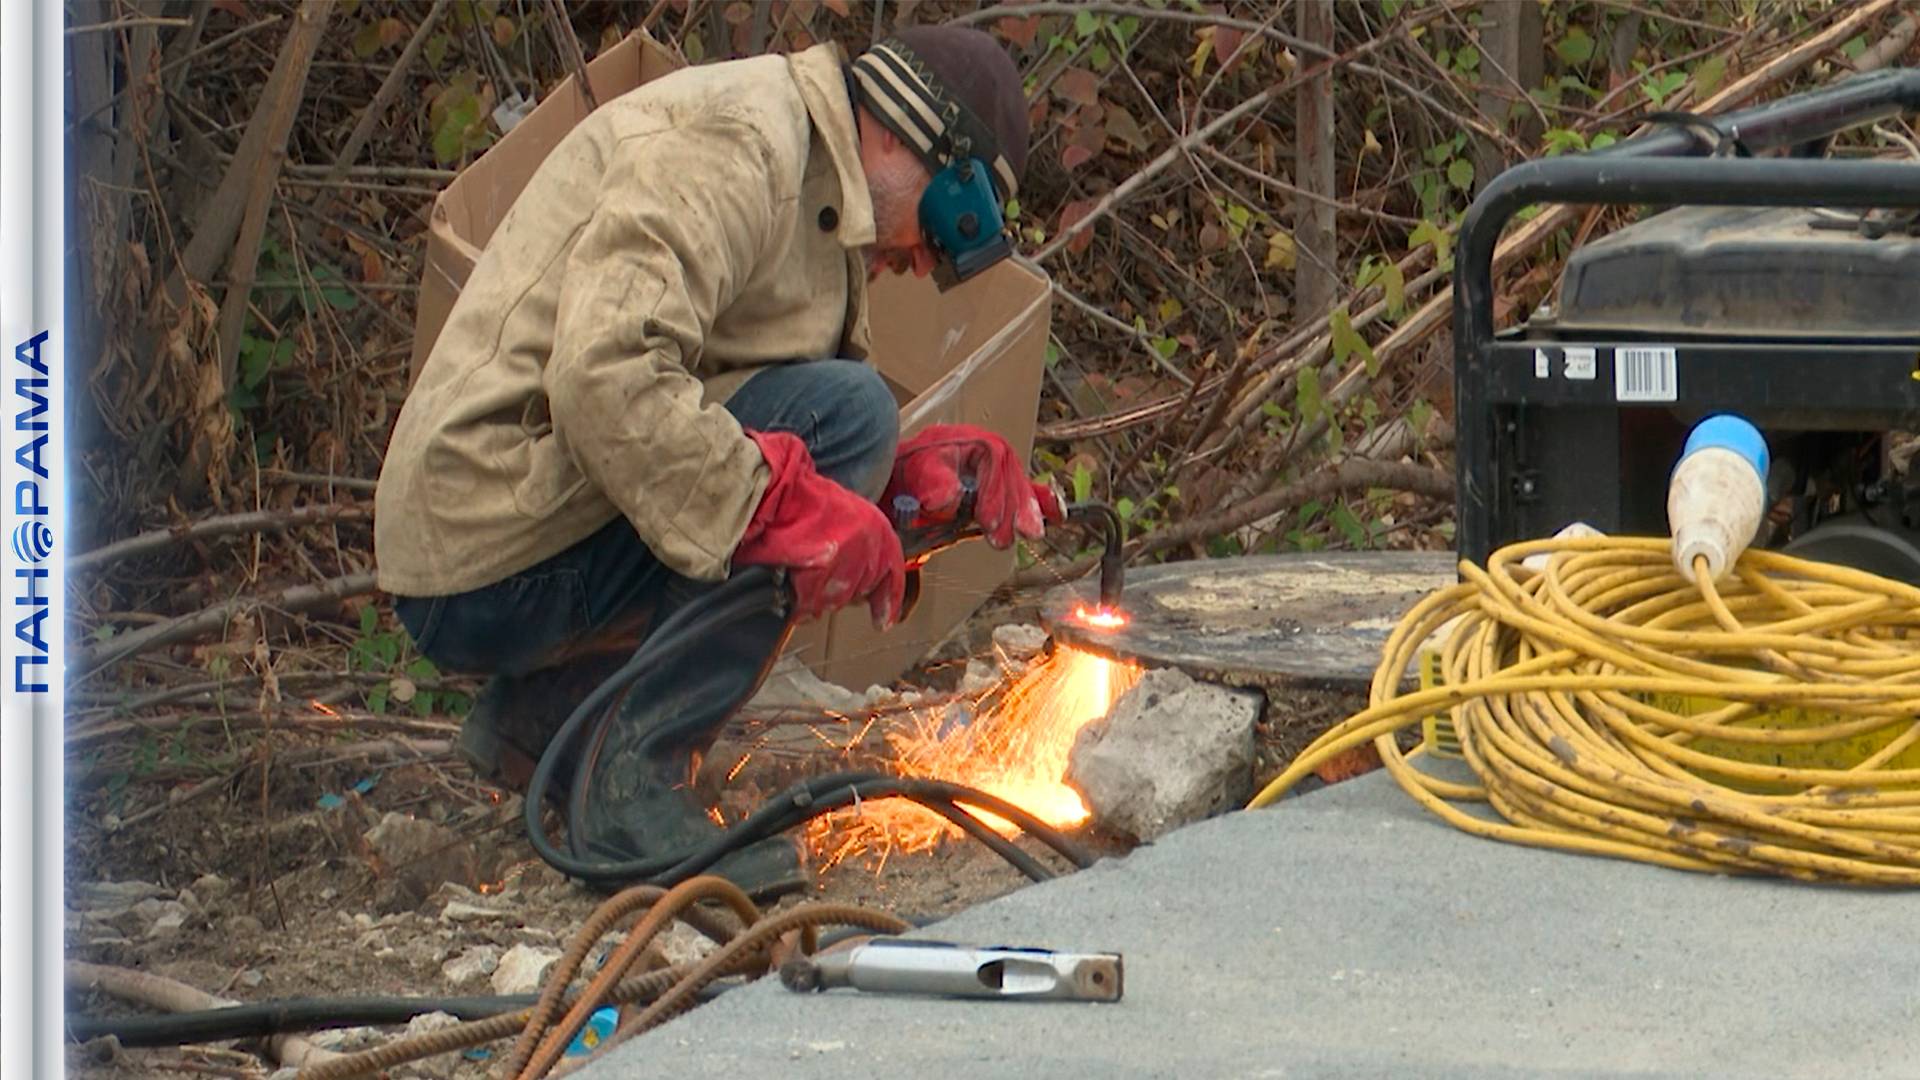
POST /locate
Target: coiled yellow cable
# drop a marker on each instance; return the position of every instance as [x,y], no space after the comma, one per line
[1558,682]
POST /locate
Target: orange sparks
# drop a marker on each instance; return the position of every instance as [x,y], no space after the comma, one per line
[1016,748]
[1099,618]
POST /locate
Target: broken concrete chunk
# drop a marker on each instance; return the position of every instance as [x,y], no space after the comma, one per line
[414,857]
[462,911]
[107,899]
[1020,641]
[522,968]
[682,944]
[210,888]
[168,916]
[1172,751]
[790,686]
[476,963]
[981,676]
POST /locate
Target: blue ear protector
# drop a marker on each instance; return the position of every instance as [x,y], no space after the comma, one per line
[960,217]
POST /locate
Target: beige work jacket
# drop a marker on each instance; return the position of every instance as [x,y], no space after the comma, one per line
[683,235]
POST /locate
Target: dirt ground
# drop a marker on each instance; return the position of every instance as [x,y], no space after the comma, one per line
[254,891]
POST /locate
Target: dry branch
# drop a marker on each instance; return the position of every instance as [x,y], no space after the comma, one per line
[249,720]
[389,87]
[265,140]
[225,525]
[300,598]
[1355,474]
[1179,150]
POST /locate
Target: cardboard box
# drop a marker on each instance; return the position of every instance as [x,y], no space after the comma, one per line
[973,355]
[467,210]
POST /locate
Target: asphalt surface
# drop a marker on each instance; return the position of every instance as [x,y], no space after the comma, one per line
[1348,933]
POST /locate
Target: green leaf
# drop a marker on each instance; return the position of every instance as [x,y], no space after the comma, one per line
[1603,140]
[1082,484]
[1124,30]
[1853,48]
[1053,354]
[1419,415]
[1307,389]
[1348,525]
[1460,174]
[367,41]
[377,699]
[387,647]
[1393,284]
[1466,60]
[1099,57]
[1272,409]
[1659,87]
[449,141]
[1576,48]
[255,358]
[1341,327]
[1086,24]
[422,669]
[1125,508]
[1348,342]
[1428,233]
[436,50]
[1237,218]
[1165,346]
[1707,76]
[369,618]
[1561,140]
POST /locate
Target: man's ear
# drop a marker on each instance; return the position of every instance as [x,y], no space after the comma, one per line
[879,135]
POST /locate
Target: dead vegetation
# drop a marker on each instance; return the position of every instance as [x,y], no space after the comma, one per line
[1246,209]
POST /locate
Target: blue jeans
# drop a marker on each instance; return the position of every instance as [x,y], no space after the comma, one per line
[597,595]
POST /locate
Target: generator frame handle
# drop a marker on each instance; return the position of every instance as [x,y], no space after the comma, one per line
[1666,168]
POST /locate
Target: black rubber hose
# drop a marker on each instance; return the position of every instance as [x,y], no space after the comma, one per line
[825,794]
[752,591]
[294,1015]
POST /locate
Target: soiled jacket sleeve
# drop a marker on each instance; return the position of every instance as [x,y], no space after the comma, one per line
[683,218]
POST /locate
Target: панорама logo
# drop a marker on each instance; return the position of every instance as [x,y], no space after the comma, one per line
[33,537]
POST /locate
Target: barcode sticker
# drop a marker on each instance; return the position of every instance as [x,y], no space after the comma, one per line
[1645,374]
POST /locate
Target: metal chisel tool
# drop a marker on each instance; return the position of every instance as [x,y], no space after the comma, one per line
[903,966]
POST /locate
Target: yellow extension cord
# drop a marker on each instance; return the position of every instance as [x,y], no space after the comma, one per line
[1551,680]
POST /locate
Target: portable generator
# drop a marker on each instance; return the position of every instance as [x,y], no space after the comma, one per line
[1769,280]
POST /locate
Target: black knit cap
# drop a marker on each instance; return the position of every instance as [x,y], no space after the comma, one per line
[949,92]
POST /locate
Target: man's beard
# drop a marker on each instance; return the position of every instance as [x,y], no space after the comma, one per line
[896,203]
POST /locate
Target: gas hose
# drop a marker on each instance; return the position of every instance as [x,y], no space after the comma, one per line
[1583,691]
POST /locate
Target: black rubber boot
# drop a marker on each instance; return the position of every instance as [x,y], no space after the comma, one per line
[514,717]
[639,801]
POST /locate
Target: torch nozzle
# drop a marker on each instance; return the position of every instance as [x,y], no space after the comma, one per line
[1099,517]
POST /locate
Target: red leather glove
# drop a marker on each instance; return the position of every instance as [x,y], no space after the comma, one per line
[836,546]
[928,467]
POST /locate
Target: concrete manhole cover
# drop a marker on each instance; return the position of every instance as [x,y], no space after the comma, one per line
[1311,619]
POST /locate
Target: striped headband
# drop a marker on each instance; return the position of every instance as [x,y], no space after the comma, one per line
[906,97]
